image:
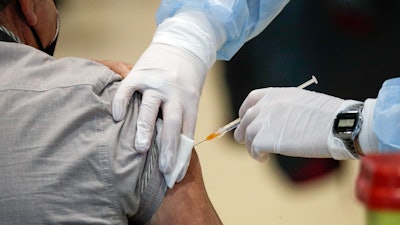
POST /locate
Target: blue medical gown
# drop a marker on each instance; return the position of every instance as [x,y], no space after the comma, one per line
[242,19]
[387,116]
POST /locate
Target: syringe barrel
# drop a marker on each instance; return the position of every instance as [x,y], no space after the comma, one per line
[230,126]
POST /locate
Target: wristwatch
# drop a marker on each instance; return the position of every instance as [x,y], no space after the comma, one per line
[347,126]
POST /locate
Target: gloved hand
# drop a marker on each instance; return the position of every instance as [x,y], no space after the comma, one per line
[170,74]
[288,121]
[170,79]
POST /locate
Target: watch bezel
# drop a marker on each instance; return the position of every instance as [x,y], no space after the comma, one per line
[349,135]
[347,132]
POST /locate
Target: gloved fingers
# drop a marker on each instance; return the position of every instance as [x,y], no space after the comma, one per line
[254,120]
[287,121]
[259,155]
[258,146]
[252,99]
[121,101]
[189,122]
[170,135]
[123,96]
[240,133]
[148,112]
[247,118]
[251,133]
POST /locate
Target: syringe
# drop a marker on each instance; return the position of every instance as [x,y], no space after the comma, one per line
[232,125]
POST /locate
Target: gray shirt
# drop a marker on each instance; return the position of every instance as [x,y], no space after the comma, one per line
[63,159]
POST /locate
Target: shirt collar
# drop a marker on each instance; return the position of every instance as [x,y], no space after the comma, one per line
[8,35]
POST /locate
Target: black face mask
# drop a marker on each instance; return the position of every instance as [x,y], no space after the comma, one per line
[49,49]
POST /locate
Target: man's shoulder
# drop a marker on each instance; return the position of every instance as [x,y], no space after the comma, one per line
[27,67]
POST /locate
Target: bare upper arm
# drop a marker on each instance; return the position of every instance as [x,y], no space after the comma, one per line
[188,201]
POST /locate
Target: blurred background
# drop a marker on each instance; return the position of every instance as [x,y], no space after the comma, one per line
[243,190]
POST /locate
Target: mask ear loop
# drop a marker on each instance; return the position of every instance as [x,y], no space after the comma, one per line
[38,41]
[57,30]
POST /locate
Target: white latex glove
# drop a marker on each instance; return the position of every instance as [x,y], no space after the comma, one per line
[288,121]
[170,74]
[183,157]
[170,79]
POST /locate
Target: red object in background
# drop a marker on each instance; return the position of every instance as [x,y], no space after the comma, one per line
[378,183]
[303,170]
[354,23]
[357,18]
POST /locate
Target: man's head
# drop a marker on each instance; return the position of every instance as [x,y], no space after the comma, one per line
[34,22]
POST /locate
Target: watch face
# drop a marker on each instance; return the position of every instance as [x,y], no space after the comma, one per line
[345,122]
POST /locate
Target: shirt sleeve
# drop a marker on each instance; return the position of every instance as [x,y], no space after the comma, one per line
[64,160]
[387,116]
[139,184]
[242,19]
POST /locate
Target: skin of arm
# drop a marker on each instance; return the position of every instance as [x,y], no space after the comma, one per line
[120,68]
[188,201]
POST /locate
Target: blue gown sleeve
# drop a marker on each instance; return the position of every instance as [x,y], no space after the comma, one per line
[242,19]
[387,116]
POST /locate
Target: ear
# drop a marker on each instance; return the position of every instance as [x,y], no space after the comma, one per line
[28,10]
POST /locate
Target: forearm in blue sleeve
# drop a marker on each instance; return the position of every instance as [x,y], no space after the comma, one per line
[387,116]
[242,19]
